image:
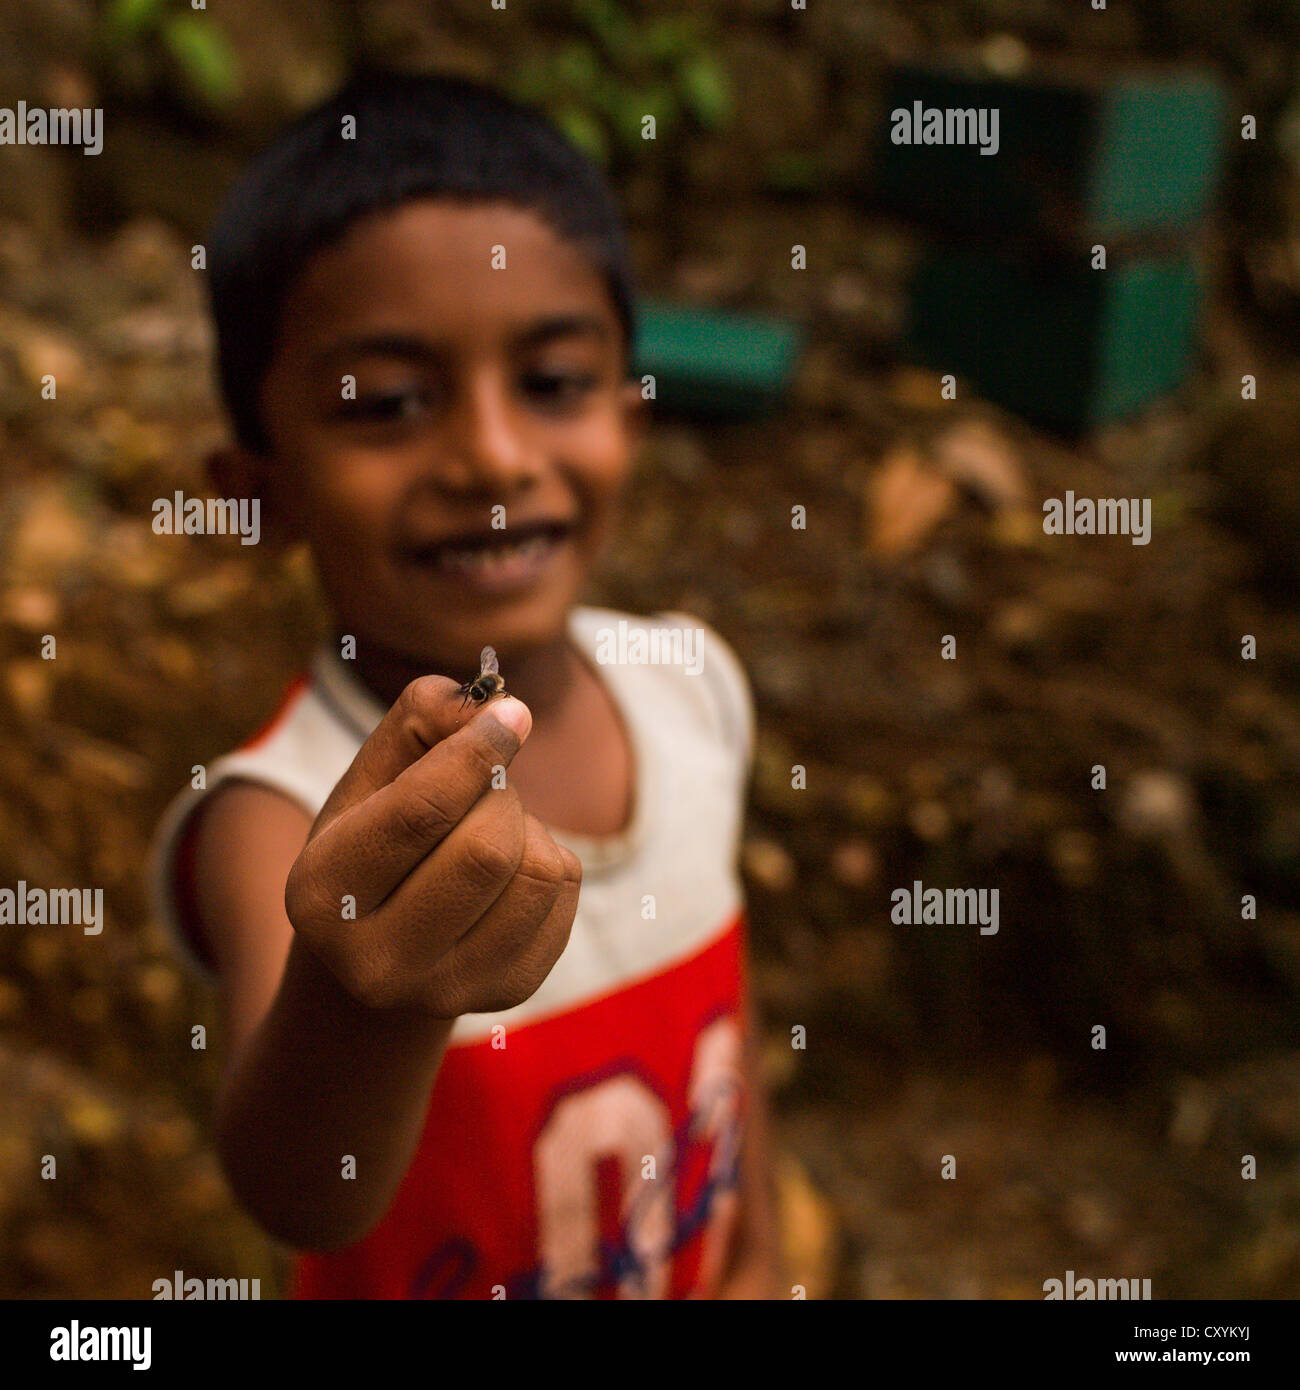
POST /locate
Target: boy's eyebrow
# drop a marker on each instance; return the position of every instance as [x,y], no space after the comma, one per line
[422,350]
[377,345]
[562,326]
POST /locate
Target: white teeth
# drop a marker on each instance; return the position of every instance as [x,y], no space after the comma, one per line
[485,559]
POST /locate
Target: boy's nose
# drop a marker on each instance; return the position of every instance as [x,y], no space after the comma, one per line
[483,445]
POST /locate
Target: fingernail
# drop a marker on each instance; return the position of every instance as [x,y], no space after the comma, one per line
[514,714]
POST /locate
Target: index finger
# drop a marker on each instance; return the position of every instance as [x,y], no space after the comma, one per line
[428,711]
[371,846]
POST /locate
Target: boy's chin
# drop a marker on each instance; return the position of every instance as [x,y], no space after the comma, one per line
[509,628]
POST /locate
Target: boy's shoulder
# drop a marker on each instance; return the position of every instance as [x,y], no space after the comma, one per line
[679,656]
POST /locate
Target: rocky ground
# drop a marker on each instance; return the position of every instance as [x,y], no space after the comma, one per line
[1121,907]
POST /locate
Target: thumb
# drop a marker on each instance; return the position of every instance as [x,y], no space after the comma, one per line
[428,711]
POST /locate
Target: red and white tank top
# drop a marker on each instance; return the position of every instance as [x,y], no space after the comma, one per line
[584,1143]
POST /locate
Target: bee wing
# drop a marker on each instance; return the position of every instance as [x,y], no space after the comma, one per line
[488,663]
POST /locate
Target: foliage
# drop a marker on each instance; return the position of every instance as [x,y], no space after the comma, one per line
[614,71]
[156,42]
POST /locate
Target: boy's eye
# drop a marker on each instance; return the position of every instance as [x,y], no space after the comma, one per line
[560,386]
[391,406]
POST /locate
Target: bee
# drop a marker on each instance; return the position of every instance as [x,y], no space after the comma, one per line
[487,683]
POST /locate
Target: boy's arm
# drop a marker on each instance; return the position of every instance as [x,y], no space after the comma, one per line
[310,1074]
[459,902]
[756,1268]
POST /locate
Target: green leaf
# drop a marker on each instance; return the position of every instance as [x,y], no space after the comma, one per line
[706,91]
[610,25]
[794,171]
[585,131]
[534,82]
[129,19]
[204,55]
[626,110]
[671,37]
[629,109]
[660,101]
[607,94]
[579,66]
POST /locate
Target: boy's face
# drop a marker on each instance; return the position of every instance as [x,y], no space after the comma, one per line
[482,396]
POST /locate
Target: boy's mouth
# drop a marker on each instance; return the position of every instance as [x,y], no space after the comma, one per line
[494,561]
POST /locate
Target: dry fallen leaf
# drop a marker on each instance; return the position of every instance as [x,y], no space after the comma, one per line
[854,863]
[93,1123]
[915,388]
[27,682]
[906,501]
[32,608]
[50,535]
[977,457]
[809,1238]
[768,864]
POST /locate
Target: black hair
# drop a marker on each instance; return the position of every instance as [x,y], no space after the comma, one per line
[416,135]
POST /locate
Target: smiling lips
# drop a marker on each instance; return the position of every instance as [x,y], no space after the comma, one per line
[492,561]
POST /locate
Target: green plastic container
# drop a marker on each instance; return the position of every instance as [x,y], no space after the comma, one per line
[1055,341]
[1079,160]
[710,363]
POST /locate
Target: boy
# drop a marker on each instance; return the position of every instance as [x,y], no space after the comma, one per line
[451,1073]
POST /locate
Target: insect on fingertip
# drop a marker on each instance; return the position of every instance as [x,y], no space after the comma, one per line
[487,683]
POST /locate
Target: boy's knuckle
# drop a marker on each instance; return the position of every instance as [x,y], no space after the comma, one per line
[426,814]
[349,972]
[524,976]
[481,973]
[446,992]
[540,946]
[572,865]
[373,985]
[486,859]
[543,866]
[509,995]
[555,934]
[304,896]
[420,694]
[293,896]
[499,996]
[438,1000]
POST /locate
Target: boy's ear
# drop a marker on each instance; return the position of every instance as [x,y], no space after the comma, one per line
[237,472]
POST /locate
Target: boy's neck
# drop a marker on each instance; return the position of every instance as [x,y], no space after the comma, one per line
[540,676]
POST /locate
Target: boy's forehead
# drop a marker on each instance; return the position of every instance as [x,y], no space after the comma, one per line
[461,263]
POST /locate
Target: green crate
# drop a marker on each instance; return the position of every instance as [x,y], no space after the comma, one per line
[709,363]
[1052,339]
[1079,160]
